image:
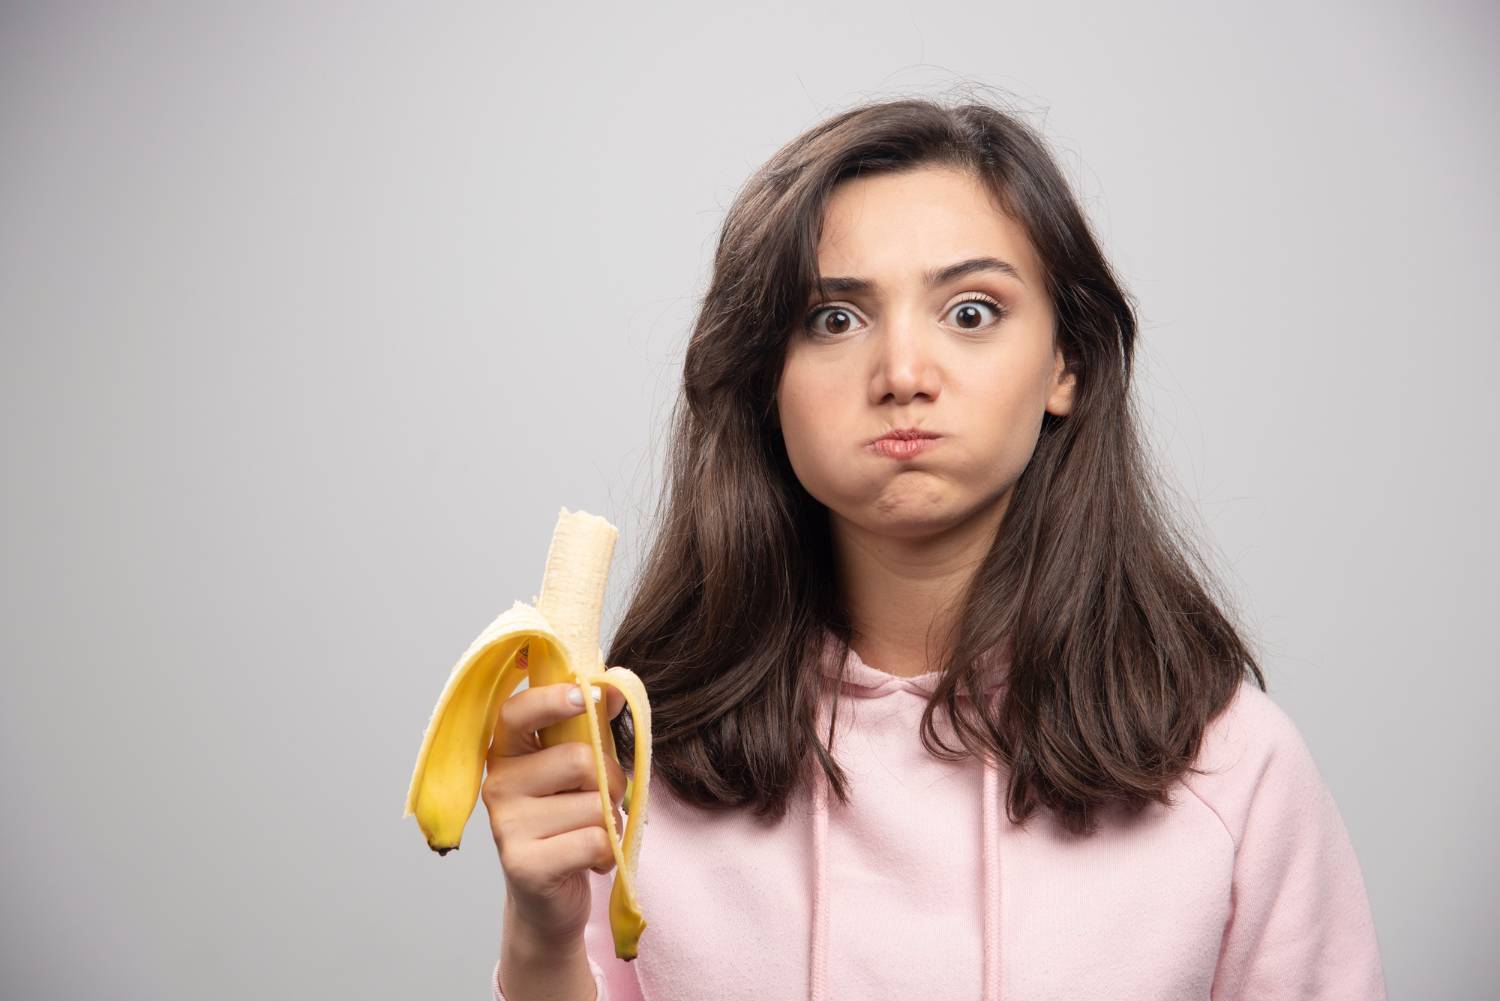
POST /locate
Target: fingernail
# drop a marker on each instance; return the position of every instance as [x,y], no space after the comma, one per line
[576,695]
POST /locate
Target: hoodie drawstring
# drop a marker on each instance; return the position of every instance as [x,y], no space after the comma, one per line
[990,824]
[990,808]
[820,894]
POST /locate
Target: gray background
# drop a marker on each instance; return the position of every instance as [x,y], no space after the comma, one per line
[314,317]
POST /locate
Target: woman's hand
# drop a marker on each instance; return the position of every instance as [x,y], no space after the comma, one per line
[544,813]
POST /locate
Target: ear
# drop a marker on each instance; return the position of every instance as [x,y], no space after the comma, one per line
[1063,385]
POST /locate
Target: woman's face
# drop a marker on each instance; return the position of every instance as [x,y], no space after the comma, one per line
[899,352]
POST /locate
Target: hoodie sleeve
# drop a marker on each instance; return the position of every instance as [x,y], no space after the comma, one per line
[614,978]
[1300,926]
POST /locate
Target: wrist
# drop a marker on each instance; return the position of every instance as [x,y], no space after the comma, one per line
[524,944]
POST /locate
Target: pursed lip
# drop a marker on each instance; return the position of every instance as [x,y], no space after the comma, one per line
[905,434]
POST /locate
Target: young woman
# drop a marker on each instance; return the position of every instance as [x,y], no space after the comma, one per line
[912,562]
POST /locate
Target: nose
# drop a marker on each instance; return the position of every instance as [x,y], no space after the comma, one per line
[904,366]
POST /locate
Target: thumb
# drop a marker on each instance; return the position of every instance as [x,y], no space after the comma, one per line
[614,699]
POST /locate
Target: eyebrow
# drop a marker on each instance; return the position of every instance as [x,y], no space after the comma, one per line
[933,276]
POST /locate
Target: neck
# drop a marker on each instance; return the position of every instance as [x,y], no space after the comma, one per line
[902,590]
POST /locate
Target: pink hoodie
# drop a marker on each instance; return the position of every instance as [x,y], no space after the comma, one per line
[1247,887]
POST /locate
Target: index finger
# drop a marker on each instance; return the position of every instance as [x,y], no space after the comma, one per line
[524,713]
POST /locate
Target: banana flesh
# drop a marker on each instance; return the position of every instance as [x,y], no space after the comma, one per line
[555,641]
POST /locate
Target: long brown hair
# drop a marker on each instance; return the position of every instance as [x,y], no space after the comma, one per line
[1120,652]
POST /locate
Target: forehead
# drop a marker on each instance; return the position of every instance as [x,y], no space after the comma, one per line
[890,227]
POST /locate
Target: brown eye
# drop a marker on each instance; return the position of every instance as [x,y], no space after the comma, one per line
[969,309]
[840,320]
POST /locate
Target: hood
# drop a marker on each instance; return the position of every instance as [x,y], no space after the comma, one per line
[863,681]
[860,680]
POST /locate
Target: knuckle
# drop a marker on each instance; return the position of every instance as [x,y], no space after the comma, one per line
[513,861]
[502,824]
[504,828]
[499,782]
[582,758]
[616,780]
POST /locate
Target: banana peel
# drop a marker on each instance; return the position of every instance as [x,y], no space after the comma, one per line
[554,641]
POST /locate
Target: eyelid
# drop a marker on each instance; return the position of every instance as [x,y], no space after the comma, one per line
[965,296]
[1001,310]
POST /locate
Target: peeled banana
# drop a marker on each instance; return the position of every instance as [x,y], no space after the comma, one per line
[559,641]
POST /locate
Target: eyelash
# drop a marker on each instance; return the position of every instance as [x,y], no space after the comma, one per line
[1001,312]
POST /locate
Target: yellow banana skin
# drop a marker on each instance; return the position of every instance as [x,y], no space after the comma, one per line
[560,640]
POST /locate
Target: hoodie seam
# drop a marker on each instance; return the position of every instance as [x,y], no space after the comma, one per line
[1233,846]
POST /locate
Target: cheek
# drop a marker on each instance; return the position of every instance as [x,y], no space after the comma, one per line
[809,438]
[802,405]
[1007,418]
[819,445]
[794,412]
